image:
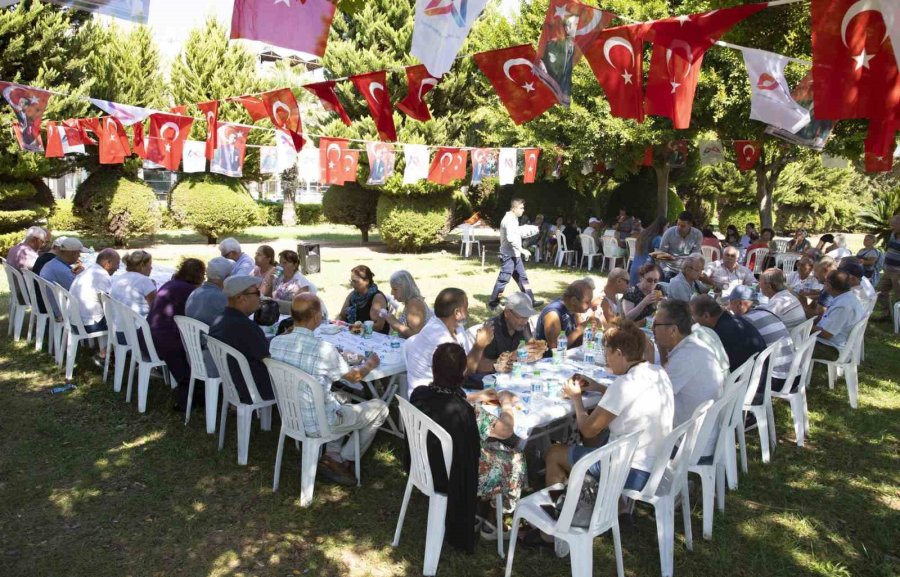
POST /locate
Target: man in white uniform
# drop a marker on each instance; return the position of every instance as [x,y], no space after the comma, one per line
[512,256]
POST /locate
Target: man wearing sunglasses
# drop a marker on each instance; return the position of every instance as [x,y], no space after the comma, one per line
[235,328]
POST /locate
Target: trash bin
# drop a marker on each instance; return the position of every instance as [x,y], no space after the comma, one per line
[310,257]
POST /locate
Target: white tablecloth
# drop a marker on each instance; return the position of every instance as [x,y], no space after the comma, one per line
[392,361]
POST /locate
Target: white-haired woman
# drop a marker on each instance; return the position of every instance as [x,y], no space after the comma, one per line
[415,310]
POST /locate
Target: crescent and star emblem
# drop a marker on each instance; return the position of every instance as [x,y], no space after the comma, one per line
[611,43]
[449,157]
[748,155]
[509,64]
[689,54]
[862,59]
[328,150]
[373,87]
[426,82]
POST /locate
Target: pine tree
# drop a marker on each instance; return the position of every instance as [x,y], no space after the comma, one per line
[125,67]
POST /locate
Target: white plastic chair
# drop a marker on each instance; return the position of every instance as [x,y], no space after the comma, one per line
[40,320]
[19,302]
[869,308]
[588,250]
[417,426]
[113,346]
[739,379]
[667,481]
[468,241]
[787,262]
[715,427]
[288,382]
[710,253]
[800,333]
[192,334]
[75,331]
[759,260]
[132,324]
[611,253]
[220,354]
[562,250]
[631,246]
[56,304]
[615,460]
[847,363]
[801,370]
[896,310]
[781,245]
[765,417]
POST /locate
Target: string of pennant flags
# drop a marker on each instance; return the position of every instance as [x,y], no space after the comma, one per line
[527,81]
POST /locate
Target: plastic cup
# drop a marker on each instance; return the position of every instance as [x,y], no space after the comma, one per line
[368,328]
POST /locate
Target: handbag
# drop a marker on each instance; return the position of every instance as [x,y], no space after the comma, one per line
[584,508]
[267,314]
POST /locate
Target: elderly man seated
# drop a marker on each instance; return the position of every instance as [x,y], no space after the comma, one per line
[451,308]
[243,263]
[740,339]
[87,287]
[686,284]
[844,312]
[818,301]
[859,284]
[689,361]
[742,303]
[727,273]
[510,329]
[802,280]
[235,328]
[566,317]
[782,302]
[209,301]
[25,253]
[64,267]
[321,360]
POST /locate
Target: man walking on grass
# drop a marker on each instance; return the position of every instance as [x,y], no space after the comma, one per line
[512,256]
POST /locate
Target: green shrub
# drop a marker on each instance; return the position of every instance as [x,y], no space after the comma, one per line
[214,206]
[23,204]
[411,223]
[351,204]
[270,212]
[113,205]
[170,220]
[9,240]
[309,213]
[739,216]
[63,217]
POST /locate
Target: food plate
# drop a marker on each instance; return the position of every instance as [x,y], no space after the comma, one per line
[330,330]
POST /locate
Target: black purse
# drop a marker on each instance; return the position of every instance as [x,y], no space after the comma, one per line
[267,314]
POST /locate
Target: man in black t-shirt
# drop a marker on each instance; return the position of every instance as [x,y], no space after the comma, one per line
[510,328]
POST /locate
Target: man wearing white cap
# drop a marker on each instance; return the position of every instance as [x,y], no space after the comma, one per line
[510,328]
[235,328]
[25,253]
[243,263]
[59,270]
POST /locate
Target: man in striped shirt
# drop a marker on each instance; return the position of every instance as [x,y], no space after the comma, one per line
[742,304]
[890,280]
[782,302]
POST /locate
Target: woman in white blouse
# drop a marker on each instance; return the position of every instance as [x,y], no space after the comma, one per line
[291,282]
[134,288]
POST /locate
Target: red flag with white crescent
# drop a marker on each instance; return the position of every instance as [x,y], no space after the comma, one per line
[54,148]
[419,83]
[210,111]
[679,44]
[747,153]
[62,139]
[855,47]
[331,154]
[880,145]
[181,109]
[615,57]
[511,72]
[531,161]
[281,105]
[445,168]
[166,139]
[28,105]
[349,163]
[111,137]
[81,125]
[329,98]
[254,107]
[373,87]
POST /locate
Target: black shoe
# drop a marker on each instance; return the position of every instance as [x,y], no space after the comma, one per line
[534,539]
[537,303]
[336,473]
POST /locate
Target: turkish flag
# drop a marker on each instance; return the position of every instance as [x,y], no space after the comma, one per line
[876,163]
[449,164]
[880,145]
[615,56]
[281,105]
[182,110]
[747,153]
[648,157]
[28,105]
[140,146]
[54,148]
[531,160]
[511,73]
[167,135]
[678,47]
[373,87]
[302,26]
[63,138]
[84,125]
[419,83]
[349,163]
[331,155]
[329,98]
[210,110]
[254,107]
[111,137]
[855,59]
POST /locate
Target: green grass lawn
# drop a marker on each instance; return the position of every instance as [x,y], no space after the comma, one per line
[89,487]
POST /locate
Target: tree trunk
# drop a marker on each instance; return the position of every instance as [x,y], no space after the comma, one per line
[289,212]
[764,187]
[662,189]
[365,234]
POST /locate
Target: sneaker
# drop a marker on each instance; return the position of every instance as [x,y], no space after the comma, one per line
[489,531]
[493,307]
[537,303]
[336,473]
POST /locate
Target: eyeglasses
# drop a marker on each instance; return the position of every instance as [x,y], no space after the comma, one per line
[254,293]
[662,325]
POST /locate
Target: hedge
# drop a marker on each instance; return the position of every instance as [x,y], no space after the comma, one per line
[351,204]
[9,240]
[214,206]
[412,223]
[270,213]
[23,204]
[63,217]
[114,205]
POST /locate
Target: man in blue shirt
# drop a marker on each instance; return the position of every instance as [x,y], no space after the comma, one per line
[59,270]
[739,337]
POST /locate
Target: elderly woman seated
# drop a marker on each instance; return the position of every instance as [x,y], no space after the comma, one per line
[415,311]
[291,283]
[487,457]
[365,301]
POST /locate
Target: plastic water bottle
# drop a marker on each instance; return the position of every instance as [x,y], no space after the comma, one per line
[589,334]
[522,353]
[395,340]
[600,353]
[562,344]
[589,353]
[63,389]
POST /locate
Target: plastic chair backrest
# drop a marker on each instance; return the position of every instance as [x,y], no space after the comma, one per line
[468,233]
[109,313]
[532,322]
[631,243]
[668,473]
[131,323]
[800,364]
[610,246]
[710,253]
[588,247]
[758,260]
[615,463]
[850,352]
[289,383]
[16,285]
[762,362]
[417,426]
[789,262]
[221,353]
[800,333]
[561,241]
[192,332]
[781,246]
[48,294]
[31,287]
